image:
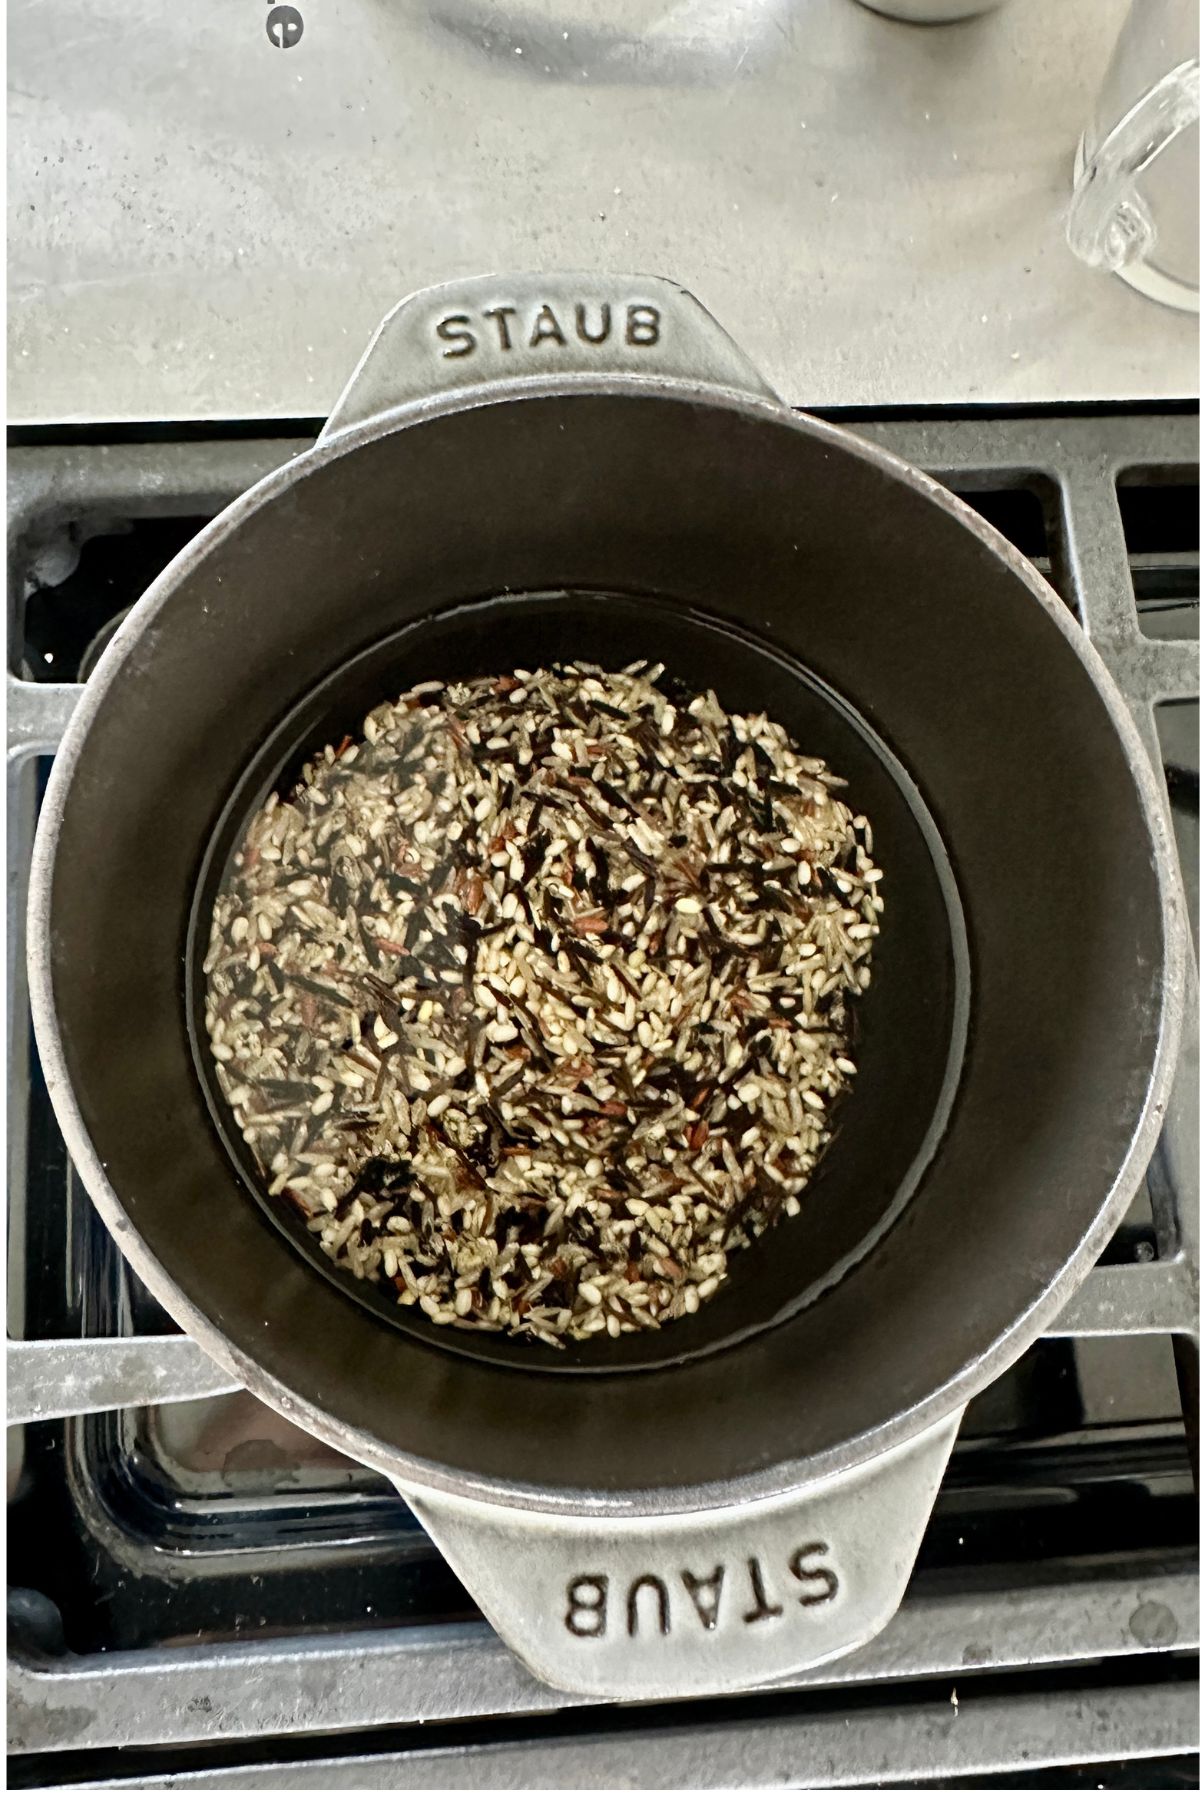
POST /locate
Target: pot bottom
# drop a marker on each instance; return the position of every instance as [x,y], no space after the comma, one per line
[911,1022]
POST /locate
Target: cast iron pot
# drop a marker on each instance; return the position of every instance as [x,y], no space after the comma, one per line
[528,468]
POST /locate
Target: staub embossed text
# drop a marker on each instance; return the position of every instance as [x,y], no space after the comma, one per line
[509,328]
[739,1597]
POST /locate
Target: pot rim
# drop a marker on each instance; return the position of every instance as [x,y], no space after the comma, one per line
[415,1472]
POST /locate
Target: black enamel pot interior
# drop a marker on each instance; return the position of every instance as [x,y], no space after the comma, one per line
[910,1019]
[1013,1021]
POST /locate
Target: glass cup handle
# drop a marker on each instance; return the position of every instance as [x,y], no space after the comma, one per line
[1109,224]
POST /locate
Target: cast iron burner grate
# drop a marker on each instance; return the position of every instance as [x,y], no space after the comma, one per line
[198,1589]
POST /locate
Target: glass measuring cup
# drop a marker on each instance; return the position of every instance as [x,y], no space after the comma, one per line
[1137,197]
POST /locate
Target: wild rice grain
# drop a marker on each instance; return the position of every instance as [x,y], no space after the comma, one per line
[534,1003]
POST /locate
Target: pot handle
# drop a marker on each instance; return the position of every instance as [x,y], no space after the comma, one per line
[519,328]
[696,1603]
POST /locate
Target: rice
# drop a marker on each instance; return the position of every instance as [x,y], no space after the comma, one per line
[534,1001]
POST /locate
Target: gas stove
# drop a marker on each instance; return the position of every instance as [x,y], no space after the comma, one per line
[203,1596]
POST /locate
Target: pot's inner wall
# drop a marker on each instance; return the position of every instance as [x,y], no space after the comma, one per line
[800,538]
[886,1128]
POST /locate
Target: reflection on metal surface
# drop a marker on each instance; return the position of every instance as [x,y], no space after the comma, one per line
[861,1746]
[103,1373]
[1140,1298]
[1178,734]
[687,43]
[232,1445]
[464,1670]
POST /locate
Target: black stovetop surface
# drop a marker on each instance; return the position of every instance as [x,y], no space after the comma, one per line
[218,1521]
